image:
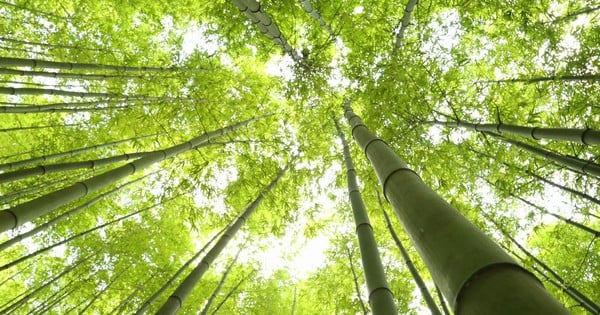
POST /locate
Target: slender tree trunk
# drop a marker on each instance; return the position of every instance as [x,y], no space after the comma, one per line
[34,292]
[216,291]
[585,136]
[179,271]
[119,308]
[558,216]
[584,77]
[81,234]
[586,302]
[315,15]
[540,178]
[41,109]
[68,166]
[253,10]
[69,75]
[411,267]
[381,298]
[585,10]
[36,63]
[45,308]
[25,212]
[177,298]
[471,270]
[355,279]
[67,214]
[576,164]
[128,101]
[410,6]
[34,91]
[230,293]
[442,301]
[294,301]
[106,287]
[38,127]
[22,163]
[23,42]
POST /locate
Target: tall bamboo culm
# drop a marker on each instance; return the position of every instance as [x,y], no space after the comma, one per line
[474,274]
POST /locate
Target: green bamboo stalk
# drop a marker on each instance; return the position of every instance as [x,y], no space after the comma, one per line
[355,279]
[409,264]
[573,163]
[584,77]
[253,10]
[315,15]
[404,22]
[34,160]
[35,91]
[29,43]
[472,271]
[81,234]
[216,291]
[381,298]
[67,166]
[106,287]
[37,63]
[69,75]
[233,290]
[179,271]
[442,301]
[67,214]
[25,212]
[584,136]
[540,178]
[38,127]
[548,212]
[585,301]
[177,298]
[27,296]
[119,308]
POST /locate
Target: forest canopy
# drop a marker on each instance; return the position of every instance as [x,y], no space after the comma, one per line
[145,141]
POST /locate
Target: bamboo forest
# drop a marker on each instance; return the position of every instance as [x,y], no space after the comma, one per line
[300,157]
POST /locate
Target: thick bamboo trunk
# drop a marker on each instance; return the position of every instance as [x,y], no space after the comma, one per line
[179,271]
[177,298]
[474,273]
[573,163]
[25,212]
[47,64]
[381,298]
[216,291]
[411,267]
[404,22]
[585,136]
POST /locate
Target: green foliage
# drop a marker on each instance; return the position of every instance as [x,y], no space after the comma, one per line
[479,61]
